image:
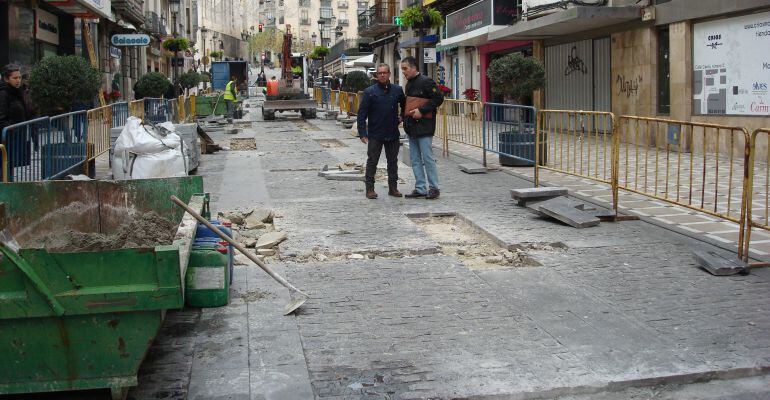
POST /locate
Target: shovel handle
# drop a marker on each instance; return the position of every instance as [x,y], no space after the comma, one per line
[238,246]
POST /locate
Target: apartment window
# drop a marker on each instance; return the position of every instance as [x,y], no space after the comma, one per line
[664,72]
[304,3]
[363,6]
[326,13]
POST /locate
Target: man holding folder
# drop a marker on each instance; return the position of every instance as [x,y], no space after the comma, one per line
[422,100]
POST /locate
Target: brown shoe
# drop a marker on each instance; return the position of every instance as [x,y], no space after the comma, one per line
[433,193]
[371,194]
[393,191]
[415,194]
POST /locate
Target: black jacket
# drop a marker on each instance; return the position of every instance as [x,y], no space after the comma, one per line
[379,110]
[423,86]
[12,107]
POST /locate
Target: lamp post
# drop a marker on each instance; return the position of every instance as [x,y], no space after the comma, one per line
[174,5]
[321,25]
[204,32]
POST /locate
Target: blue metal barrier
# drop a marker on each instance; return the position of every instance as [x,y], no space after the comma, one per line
[22,142]
[509,130]
[156,110]
[119,113]
[63,149]
[325,94]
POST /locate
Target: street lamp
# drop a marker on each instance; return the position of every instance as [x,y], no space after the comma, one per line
[204,32]
[321,25]
[174,5]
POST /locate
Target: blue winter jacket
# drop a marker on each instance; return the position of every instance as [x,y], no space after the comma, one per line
[379,110]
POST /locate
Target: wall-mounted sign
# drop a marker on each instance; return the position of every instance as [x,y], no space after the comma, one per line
[47,27]
[130,40]
[729,75]
[115,52]
[429,55]
[480,14]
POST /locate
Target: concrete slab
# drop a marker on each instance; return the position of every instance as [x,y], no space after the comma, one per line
[469,168]
[524,195]
[719,265]
[565,211]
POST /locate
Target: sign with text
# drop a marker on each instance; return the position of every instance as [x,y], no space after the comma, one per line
[480,14]
[130,40]
[47,28]
[730,75]
[429,55]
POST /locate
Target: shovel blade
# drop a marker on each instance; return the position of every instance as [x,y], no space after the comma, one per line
[297,300]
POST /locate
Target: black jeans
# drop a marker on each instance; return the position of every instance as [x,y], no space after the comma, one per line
[373,152]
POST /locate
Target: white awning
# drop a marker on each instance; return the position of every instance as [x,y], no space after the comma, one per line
[86,9]
[365,61]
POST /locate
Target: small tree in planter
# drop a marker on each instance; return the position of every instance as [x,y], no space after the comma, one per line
[189,80]
[60,82]
[356,81]
[152,84]
[217,54]
[516,77]
[176,44]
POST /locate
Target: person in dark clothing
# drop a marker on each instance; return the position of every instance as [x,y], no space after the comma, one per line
[420,125]
[378,119]
[13,108]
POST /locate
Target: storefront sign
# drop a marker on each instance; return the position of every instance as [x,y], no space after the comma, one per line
[115,52]
[729,75]
[481,14]
[130,40]
[429,55]
[47,28]
[100,7]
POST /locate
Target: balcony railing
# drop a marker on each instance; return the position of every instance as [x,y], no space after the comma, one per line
[132,9]
[343,22]
[152,23]
[304,21]
[304,3]
[378,19]
[349,47]
[326,13]
[342,4]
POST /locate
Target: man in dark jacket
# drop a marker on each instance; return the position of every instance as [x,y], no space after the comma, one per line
[380,106]
[13,109]
[420,125]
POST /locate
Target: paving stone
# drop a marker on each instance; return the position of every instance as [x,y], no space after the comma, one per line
[525,195]
[717,264]
[565,211]
[472,168]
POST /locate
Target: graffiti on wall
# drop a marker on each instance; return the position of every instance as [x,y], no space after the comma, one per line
[574,63]
[629,86]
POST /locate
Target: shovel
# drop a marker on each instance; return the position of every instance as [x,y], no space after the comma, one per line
[298,298]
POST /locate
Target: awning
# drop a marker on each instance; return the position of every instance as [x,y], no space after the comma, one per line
[427,39]
[383,41]
[365,61]
[567,22]
[86,9]
[474,38]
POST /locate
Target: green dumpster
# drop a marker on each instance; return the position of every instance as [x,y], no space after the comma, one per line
[204,105]
[85,319]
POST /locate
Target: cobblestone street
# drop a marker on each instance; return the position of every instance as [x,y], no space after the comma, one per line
[619,310]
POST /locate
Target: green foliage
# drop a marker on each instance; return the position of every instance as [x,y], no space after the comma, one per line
[516,76]
[58,82]
[415,17]
[268,40]
[152,84]
[356,81]
[338,74]
[205,76]
[189,79]
[321,51]
[217,54]
[176,44]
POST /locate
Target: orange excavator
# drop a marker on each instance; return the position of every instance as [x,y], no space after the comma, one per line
[292,91]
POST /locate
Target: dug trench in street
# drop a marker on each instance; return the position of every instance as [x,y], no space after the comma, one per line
[403,307]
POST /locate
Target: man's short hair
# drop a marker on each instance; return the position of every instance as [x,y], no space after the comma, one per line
[272,77]
[383,65]
[409,60]
[8,69]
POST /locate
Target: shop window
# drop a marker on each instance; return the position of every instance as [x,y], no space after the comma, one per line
[664,72]
[21,36]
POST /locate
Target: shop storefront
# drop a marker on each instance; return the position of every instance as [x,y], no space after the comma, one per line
[578,75]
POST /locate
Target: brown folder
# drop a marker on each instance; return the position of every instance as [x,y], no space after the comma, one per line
[417,102]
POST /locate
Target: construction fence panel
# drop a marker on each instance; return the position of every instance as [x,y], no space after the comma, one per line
[136,109]
[757,197]
[182,110]
[509,131]
[64,148]
[696,165]
[99,124]
[120,113]
[172,111]
[156,110]
[460,121]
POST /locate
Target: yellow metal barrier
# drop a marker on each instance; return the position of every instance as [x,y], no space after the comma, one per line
[334,99]
[460,121]
[756,199]
[344,102]
[191,112]
[318,95]
[695,165]
[182,110]
[136,109]
[580,143]
[98,136]
[4,155]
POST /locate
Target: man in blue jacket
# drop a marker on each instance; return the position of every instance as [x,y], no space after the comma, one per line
[378,119]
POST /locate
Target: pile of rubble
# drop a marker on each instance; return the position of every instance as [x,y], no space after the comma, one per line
[254,229]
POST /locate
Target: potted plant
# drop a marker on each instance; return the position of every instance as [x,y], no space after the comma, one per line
[152,84]
[516,77]
[321,51]
[421,17]
[471,94]
[189,80]
[176,44]
[445,90]
[216,54]
[59,83]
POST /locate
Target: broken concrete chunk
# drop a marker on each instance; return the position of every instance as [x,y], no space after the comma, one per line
[266,252]
[321,257]
[270,240]
[257,218]
[250,242]
[356,257]
[718,265]
[494,260]
[564,210]
[473,168]
[235,217]
[525,195]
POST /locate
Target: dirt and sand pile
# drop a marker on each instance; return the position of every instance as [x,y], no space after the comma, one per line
[145,230]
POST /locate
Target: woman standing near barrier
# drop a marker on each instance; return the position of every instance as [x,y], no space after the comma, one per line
[13,109]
